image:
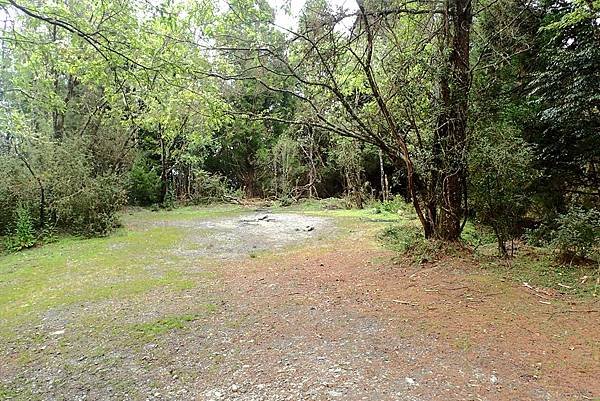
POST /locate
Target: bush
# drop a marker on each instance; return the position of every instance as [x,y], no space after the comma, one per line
[402,238]
[210,187]
[17,189]
[407,239]
[24,233]
[500,174]
[143,185]
[397,204]
[476,236]
[577,233]
[91,210]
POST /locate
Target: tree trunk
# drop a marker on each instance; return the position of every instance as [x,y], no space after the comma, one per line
[164,176]
[383,178]
[452,124]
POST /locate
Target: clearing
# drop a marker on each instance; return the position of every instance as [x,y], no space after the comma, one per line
[232,303]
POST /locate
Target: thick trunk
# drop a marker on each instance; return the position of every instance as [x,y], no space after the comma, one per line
[452,124]
[249,183]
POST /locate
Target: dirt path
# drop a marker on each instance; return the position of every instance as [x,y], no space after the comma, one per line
[329,319]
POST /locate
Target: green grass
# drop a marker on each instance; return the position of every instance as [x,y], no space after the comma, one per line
[74,270]
[6,393]
[161,326]
[333,207]
[142,215]
[538,267]
[476,236]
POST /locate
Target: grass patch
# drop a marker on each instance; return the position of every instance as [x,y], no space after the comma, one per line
[463,343]
[407,239]
[161,326]
[74,270]
[402,238]
[476,235]
[538,267]
[164,325]
[7,393]
[334,207]
[141,215]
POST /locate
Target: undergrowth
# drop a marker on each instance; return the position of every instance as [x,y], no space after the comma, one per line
[536,266]
[408,240]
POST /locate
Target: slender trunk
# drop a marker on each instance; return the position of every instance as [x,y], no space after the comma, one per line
[42,221]
[164,184]
[382,177]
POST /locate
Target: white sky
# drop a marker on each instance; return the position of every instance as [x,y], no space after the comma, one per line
[282,18]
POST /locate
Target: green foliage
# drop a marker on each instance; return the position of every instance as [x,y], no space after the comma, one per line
[538,267]
[7,206]
[476,236]
[408,239]
[92,209]
[23,235]
[286,166]
[136,111]
[396,204]
[347,156]
[402,238]
[566,94]
[577,233]
[209,187]
[143,184]
[161,326]
[500,174]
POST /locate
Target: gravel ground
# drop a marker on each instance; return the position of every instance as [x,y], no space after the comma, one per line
[236,237]
[327,319]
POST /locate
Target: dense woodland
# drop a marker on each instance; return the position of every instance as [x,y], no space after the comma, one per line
[483,110]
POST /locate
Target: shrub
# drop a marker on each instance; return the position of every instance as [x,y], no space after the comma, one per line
[407,239]
[24,233]
[401,238]
[209,187]
[476,235]
[92,209]
[397,204]
[577,233]
[500,174]
[143,184]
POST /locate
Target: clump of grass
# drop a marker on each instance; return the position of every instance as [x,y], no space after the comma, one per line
[409,240]
[475,236]
[7,393]
[153,329]
[397,205]
[176,322]
[463,343]
[401,238]
[538,267]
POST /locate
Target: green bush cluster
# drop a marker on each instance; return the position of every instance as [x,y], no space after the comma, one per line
[23,234]
[143,183]
[209,187]
[408,239]
[93,209]
[577,233]
[396,204]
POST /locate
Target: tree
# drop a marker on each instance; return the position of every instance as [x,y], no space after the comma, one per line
[346,79]
[566,93]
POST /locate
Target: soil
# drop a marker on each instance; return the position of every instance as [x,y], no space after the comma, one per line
[336,317]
